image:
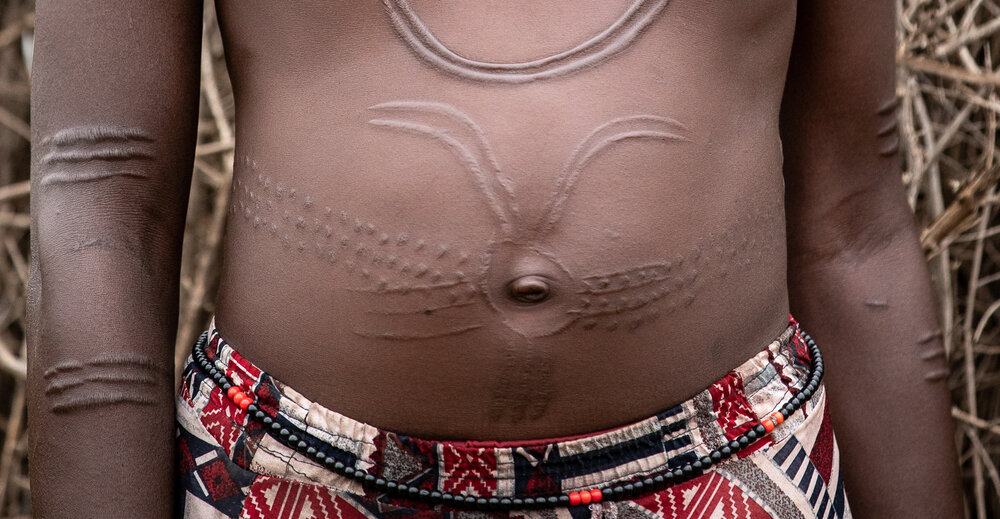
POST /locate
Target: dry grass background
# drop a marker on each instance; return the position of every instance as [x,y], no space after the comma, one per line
[949,88]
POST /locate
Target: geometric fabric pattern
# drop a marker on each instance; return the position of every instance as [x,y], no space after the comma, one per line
[230,467]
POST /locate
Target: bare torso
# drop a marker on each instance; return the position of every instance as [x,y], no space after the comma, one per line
[453,249]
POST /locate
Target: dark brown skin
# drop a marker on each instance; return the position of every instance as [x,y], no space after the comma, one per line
[857,277]
[450,251]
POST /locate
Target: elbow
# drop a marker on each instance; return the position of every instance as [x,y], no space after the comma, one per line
[851,230]
[101,189]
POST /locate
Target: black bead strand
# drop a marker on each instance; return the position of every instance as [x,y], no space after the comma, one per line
[649,484]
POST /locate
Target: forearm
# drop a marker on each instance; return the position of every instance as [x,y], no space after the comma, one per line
[101,383]
[872,314]
[114,104]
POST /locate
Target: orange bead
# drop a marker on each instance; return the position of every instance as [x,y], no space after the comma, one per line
[768,424]
[232,392]
[245,403]
[596,495]
[239,396]
[585,497]
[777,417]
[574,498]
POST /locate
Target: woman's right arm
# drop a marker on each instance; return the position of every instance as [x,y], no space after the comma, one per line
[114,118]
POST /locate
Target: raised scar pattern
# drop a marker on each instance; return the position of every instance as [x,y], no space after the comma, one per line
[409,336]
[485,170]
[104,380]
[377,254]
[101,399]
[888,134]
[930,336]
[426,310]
[627,128]
[91,134]
[105,152]
[636,288]
[601,47]
[524,388]
[118,149]
[888,107]
[467,140]
[62,177]
[393,264]
[627,279]
[66,383]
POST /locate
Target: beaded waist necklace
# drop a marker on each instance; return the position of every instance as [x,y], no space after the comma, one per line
[308,445]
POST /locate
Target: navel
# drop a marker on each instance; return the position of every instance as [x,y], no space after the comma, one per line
[529,289]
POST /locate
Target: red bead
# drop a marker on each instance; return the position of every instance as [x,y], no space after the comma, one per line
[239,396]
[768,424]
[585,497]
[232,392]
[777,417]
[574,498]
[245,403]
[596,495]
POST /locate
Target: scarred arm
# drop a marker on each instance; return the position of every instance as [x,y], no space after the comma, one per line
[857,277]
[114,113]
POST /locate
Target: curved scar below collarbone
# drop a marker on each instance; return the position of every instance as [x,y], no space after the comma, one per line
[104,380]
[614,39]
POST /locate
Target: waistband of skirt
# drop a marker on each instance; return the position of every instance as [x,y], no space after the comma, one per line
[672,438]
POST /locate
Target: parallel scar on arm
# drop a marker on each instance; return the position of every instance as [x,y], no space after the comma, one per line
[93,134]
[889,133]
[933,354]
[118,148]
[930,336]
[102,381]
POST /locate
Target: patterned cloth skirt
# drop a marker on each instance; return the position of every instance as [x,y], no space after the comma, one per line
[259,449]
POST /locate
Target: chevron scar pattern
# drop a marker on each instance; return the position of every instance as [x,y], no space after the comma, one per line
[604,297]
[418,280]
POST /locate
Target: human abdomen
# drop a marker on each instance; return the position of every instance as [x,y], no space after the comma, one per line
[445,251]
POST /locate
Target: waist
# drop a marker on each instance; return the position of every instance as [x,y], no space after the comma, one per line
[493,311]
[492,382]
[730,418]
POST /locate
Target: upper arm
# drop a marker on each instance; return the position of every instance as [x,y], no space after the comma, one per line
[114,113]
[839,131]
[114,105]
